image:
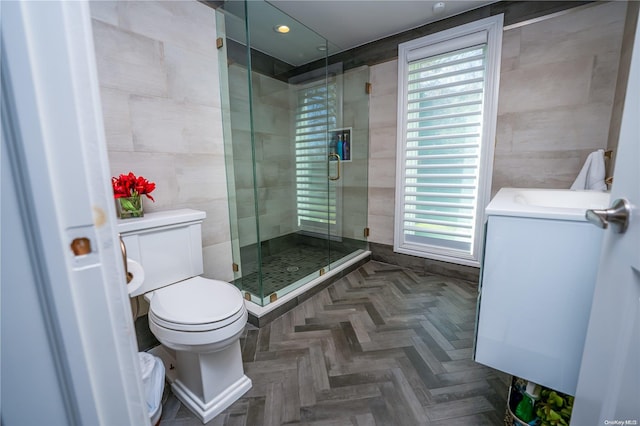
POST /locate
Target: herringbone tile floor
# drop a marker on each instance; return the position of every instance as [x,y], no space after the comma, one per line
[382,346]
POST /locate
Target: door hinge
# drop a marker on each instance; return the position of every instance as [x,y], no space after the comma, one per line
[273,297]
[235,267]
[219,42]
[367,88]
[366,232]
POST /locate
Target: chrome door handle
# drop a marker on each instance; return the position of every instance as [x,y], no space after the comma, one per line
[618,214]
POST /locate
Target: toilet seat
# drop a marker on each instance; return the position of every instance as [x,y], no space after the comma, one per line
[196,304]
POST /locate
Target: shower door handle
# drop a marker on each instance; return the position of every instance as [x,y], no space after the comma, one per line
[337,166]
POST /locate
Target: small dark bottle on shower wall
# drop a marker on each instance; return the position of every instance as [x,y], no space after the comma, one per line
[346,148]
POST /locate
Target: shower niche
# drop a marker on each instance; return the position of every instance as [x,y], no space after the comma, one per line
[297,194]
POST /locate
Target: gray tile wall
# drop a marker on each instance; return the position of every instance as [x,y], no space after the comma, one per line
[557,87]
[383,110]
[158,73]
[274,170]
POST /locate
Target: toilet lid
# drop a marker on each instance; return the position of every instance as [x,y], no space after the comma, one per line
[196,301]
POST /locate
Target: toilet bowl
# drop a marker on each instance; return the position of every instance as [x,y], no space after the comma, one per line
[197,320]
[184,317]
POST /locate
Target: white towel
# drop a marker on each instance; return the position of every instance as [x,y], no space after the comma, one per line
[592,174]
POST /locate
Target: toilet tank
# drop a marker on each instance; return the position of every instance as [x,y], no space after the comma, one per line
[167,244]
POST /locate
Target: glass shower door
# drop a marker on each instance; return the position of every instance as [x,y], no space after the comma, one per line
[350,142]
[288,133]
[296,144]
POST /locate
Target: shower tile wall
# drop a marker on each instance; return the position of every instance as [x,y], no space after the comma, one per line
[274,156]
[383,116]
[275,171]
[158,74]
[557,87]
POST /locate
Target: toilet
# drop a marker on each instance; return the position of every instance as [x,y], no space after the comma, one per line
[197,320]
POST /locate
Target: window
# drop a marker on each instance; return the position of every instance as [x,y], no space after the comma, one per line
[316,114]
[447,108]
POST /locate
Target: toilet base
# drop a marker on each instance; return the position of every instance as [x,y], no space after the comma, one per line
[199,385]
[217,405]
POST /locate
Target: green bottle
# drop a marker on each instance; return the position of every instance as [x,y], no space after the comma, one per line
[524,410]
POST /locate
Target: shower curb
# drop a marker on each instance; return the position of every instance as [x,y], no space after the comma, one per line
[290,304]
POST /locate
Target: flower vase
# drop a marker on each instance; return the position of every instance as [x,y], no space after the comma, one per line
[129,207]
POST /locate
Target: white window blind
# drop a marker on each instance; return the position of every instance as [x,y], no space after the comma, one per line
[316,113]
[442,182]
[444,119]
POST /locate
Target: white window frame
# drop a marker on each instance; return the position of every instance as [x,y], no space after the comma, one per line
[489,29]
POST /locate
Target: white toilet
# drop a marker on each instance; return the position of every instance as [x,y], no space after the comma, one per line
[198,320]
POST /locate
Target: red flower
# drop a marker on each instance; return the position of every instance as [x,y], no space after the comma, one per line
[131,186]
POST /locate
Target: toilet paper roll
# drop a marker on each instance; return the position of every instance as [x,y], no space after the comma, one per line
[135,269]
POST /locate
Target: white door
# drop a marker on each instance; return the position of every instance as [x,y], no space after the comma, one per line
[609,381]
[68,344]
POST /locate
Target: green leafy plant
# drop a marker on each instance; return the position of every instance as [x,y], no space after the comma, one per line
[554,408]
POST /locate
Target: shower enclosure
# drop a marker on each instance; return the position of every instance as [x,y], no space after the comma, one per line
[296,137]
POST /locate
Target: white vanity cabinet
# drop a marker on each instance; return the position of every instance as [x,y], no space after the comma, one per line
[537,282]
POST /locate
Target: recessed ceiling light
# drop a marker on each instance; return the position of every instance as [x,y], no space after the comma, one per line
[322,48]
[282,29]
[438,8]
